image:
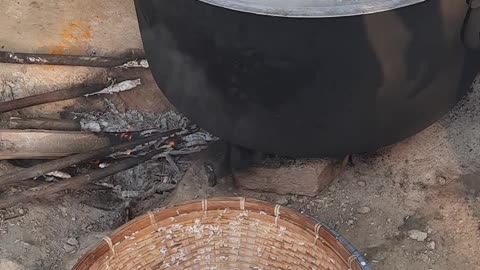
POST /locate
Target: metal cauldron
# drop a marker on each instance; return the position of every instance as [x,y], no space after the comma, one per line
[312,77]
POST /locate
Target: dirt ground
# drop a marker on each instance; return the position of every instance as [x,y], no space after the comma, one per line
[429,183]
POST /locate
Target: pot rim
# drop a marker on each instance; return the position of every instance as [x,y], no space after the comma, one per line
[312,8]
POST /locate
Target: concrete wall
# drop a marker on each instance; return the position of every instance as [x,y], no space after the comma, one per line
[79,27]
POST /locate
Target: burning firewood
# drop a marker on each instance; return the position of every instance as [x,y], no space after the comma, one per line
[54,165]
[75,182]
[48,144]
[162,147]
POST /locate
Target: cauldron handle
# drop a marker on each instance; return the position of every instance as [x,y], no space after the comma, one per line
[471,27]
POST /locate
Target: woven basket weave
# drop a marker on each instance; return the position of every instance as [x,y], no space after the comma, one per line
[223,234]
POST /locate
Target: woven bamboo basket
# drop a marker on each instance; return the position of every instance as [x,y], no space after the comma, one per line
[223,234]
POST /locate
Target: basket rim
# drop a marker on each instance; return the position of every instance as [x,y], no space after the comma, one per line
[334,241]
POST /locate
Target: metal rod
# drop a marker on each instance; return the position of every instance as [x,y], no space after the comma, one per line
[63,60]
[44,123]
[64,94]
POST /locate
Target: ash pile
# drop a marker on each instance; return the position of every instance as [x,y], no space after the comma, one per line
[153,181]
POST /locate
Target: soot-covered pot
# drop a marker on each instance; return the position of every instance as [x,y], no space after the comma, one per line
[312,77]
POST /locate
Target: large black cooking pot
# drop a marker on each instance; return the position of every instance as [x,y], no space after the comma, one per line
[310,77]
